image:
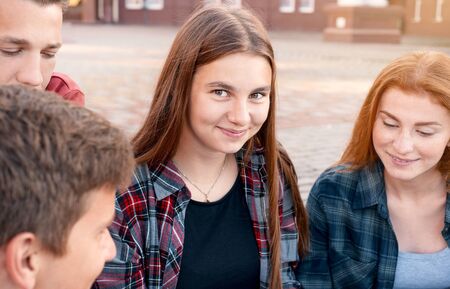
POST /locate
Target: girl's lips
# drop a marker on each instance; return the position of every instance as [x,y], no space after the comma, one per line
[401,161]
[233,132]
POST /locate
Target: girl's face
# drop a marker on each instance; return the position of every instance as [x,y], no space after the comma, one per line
[410,134]
[229,103]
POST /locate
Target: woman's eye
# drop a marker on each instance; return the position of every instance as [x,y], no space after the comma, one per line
[257,95]
[389,124]
[220,92]
[424,133]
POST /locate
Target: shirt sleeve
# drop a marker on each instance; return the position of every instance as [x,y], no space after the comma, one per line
[127,269]
[314,272]
[75,96]
[66,88]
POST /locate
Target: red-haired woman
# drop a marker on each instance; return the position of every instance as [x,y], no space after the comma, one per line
[381,218]
[214,202]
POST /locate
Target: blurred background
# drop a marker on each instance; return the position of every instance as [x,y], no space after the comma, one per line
[408,17]
[327,54]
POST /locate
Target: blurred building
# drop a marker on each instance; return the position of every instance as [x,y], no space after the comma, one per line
[418,17]
[74,13]
[305,15]
[425,17]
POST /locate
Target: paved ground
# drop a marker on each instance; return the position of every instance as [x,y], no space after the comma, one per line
[321,85]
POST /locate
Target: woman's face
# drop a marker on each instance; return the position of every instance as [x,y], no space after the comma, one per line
[229,103]
[410,134]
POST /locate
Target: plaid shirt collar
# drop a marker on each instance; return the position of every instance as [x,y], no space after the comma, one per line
[167,186]
[371,191]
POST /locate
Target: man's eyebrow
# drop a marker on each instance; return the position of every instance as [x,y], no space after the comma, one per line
[14,40]
[54,46]
[24,42]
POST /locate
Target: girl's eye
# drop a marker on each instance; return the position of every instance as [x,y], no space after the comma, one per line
[389,124]
[424,133]
[220,92]
[257,95]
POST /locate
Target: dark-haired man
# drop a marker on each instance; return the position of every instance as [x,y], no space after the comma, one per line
[60,165]
[30,37]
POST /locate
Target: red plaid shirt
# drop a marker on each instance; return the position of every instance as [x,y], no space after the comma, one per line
[149,227]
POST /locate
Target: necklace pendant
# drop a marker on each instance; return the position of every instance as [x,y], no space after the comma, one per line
[195,186]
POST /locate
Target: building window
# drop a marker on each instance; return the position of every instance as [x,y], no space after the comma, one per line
[439,4]
[232,3]
[115,11]
[154,4]
[287,6]
[417,10]
[306,6]
[100,10]
[134,4]
[341,22]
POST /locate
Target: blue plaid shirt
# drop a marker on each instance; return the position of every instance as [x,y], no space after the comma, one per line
[149,227]
[353,244]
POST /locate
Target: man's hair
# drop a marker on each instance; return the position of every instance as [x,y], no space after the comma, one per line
[53,154]
[47,2]
[64,3]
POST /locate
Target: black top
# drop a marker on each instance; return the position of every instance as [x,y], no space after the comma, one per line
[220,249]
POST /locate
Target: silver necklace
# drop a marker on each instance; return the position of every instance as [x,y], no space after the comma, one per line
[200,190]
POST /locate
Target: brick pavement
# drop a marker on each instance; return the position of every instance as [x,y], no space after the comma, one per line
[321,85]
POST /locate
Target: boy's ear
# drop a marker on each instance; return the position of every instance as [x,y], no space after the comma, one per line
[22,260]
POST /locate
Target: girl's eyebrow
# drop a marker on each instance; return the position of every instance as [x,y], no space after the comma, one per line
[262,88]
[422,123]
[221,84]
[232,88]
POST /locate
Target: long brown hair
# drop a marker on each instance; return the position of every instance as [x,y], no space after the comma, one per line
[417,72]
[210,33]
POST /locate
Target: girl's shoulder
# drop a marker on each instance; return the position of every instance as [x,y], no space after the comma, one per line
[145,177]
[350,185]
[339,180]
